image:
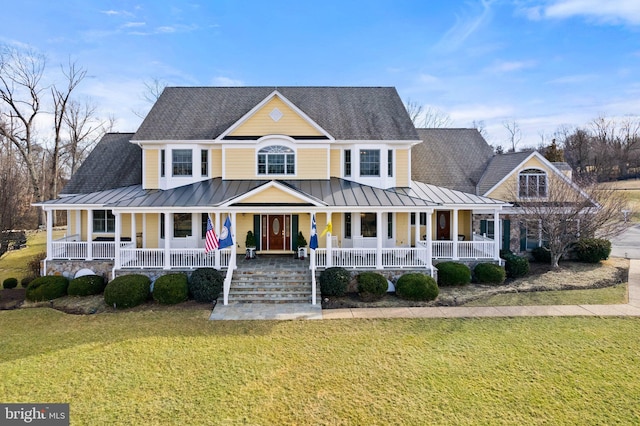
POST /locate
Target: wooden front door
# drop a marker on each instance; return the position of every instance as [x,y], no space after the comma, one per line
[443,225]
[276,232]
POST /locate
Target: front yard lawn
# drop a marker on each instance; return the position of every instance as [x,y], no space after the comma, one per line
[175,367]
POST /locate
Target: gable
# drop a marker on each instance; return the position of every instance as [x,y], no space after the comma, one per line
[275,118]
[274,193]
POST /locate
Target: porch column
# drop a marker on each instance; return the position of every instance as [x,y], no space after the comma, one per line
[312,260]
[380,233]
[134,234]
[89,234]
[497,237]
[117,240]
[168,222]
[454,255]
[328,243]
[429,240]
[234,237]
[417,228]
[78,223]
[144,230]
[216,253]
[49,235]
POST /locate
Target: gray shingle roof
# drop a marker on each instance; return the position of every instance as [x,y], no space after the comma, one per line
[451,158]
[346,113]
[113,163]
[499,167]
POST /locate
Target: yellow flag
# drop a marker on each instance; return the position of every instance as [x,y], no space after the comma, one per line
[328,229]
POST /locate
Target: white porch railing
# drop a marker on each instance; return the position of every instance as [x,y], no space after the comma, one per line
[399,257]
[178,258]
[480,248]
[69,248]
[442,249]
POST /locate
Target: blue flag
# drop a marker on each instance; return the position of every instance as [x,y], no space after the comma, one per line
[314,234]
[225,235]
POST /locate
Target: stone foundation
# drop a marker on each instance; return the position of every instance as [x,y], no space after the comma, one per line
[68,268]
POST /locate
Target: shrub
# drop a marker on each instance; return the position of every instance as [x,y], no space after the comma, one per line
[541,254]
[516,266]
[205,284]
[34,264]
[489,273]
[10,283]
[372,286]
[593,250]
[86,285]
[127,291]
[47,288]
[416,286]
[453,273]
[26,280]
[171,289]
[334,281]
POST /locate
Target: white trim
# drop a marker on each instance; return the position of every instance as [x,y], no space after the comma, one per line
[272,184]
[266,100]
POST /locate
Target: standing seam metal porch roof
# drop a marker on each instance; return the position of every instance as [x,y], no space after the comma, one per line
[334,192]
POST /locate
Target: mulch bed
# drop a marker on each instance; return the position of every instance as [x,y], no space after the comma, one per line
[11,298]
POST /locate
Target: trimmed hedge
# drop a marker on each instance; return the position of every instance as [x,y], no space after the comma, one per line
[593,250]
[489,273]
[453,273]
[10,283]
[334,281]
[372,286]
[416,286]
[26,280]
[171,289]
[541,254]
[127,291]
[47,288]
[205,285]
[86,285]
[516,266]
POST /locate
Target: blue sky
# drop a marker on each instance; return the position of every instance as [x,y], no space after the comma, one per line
[542,63]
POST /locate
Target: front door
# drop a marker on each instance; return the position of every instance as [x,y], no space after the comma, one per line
[276,232]
[443,225]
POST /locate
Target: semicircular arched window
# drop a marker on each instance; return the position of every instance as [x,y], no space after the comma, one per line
[532,183]
[276,160]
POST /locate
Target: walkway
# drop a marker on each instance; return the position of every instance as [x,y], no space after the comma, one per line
[282,311]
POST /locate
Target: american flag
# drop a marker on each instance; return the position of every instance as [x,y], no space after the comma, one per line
[211,240]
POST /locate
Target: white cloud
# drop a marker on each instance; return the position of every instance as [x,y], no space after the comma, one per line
[606,11]
[134,24]
[573,79]
[510,66]
[464,28]
[112,12]
[226,81]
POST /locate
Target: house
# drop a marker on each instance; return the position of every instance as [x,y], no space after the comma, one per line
[461,159]
[273,159]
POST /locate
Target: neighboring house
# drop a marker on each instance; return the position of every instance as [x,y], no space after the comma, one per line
[461,159]
[270,159]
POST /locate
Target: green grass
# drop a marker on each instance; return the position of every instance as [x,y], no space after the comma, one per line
[14,263]
[600,296]
[175,367]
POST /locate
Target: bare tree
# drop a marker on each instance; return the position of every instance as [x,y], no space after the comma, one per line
[154,87]
[20,97]
[61,100]
[435,118]
[569,212]
[414,109]
[480,126]
[514,133]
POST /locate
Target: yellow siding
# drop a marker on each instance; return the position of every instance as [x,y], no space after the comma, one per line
[402,229]
[244,223]
[216,163]
[402,167]
[83,225]
[464,224]
[240,163]
[71,226]
[335,163]
[152,169]
[152,231]
[260,123]
[126,225]
[273,195]
[508,190]
[312,163]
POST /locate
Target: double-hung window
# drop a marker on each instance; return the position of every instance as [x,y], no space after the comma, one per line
[347,162]
[182,164]
[369,162]
[104,221]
